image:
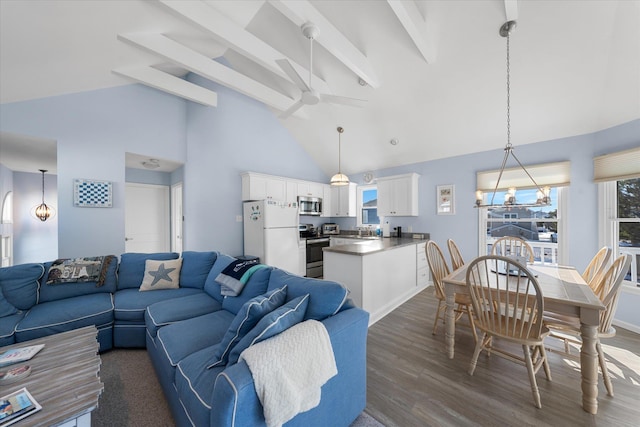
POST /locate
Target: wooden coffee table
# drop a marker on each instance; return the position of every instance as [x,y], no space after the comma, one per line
[64,378]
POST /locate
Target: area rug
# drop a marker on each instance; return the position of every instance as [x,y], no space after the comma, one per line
[133,397]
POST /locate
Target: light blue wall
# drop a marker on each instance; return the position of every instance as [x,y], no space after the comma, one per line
[93,131]
[141,176]
[239,135]
[38,240]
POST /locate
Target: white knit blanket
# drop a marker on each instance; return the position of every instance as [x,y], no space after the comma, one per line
[289,369]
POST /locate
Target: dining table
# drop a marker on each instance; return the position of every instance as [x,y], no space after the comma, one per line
[564,292]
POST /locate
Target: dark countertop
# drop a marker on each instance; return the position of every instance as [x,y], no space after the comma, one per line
[366,247]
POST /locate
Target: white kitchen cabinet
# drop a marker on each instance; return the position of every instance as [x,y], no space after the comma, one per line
[398,195]
[260,187]
[302,257]
[292,191]
[310,189]
[326,201]
[343,200]
[422,266]
[337,241]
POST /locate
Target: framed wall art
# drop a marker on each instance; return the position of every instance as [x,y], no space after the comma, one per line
[445,202]
[89,193]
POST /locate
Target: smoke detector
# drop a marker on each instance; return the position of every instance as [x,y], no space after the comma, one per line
[151,164]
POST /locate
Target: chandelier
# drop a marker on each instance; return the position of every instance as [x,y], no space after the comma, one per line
[42,211]
[339,178]
[542,193]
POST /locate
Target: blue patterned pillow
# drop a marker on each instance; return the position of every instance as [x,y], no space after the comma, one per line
[279,320]
[248,316]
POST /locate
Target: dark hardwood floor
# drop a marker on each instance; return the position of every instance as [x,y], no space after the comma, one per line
[411,382]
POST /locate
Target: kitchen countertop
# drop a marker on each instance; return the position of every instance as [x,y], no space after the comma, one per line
[366,246]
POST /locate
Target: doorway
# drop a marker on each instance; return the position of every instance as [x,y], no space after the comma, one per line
[177,218]
[147,219]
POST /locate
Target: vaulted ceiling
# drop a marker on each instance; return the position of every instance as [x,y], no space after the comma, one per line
[432,73]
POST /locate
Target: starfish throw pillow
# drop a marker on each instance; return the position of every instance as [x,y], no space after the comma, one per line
[163,274]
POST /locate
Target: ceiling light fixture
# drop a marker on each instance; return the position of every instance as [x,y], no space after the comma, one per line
[151,164]
[543,198]
[339,178]
[42,211]
[394,141]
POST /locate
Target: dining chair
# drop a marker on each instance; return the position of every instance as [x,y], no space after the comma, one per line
[568,328]
[508,307]
[456,257]
[596,268]
[439,269]
[512,246]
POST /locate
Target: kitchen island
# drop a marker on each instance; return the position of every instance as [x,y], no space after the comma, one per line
[380,274]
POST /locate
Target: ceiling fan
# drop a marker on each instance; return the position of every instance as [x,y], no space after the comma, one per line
[311,96]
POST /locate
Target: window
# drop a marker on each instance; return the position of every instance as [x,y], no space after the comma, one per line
[367,200]
[621,228]
[539,226]
[7,208]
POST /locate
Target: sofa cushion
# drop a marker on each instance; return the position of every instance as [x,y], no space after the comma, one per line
[8,328]
[279,320]
[195,268]
[57,291]
[6,308]
[52,317]
[176,309]
[194,384]
[131,268]
[20,283]
[325,297]
[255,286]
[180,339]
[248,316]
[161,274]
[130,304]
[210,285]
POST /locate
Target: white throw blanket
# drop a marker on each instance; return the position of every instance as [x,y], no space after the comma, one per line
[289,369]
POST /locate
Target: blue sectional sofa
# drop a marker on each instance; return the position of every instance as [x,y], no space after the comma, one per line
[193,334]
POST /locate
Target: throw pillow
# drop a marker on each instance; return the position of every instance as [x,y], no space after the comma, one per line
[279,320]
[161,274]
[248,316]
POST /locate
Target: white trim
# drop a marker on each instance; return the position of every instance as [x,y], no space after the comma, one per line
[235,392]
[359,190]
[193,389]
[184,408]
[626,325]
[630,288]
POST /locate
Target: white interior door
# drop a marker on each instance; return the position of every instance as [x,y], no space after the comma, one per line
[177,218]
[147,220]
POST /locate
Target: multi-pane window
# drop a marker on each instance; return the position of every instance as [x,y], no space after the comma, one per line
[539,226]
[368,206]
[627,238]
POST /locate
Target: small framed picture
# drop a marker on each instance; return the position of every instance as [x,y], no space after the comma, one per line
[445,202]
[88,193]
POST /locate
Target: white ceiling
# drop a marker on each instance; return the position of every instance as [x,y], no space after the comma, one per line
[575,67]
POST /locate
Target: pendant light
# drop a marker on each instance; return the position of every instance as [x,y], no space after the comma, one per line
[543,198]
[339,178]
[43,212]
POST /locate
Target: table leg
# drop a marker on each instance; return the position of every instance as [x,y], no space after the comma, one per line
[449,320]
[589,368]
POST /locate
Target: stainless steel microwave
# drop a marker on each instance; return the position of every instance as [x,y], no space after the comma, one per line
[310,205]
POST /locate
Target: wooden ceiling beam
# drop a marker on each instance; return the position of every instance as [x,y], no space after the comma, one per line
[197,63]
[168,83]
[301,11]
[415,25]
[226,32]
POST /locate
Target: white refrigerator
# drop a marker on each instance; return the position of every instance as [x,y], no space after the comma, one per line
[271,233]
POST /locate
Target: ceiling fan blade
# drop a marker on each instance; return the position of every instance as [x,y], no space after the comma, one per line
[335,99]
[293,74]
[291,109]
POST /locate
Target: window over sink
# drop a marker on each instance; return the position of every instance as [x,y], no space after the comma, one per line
[367,206]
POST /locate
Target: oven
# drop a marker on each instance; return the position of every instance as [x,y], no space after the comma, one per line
[314,256]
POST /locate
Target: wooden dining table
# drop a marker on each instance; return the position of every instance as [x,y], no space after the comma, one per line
[564,292]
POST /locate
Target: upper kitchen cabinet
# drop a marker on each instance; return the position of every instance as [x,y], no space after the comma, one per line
[398,195]
[327,207]
[257,186]
[343,200]
[310,189]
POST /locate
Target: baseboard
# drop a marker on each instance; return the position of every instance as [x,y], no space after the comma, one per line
[392,305]
[626,325]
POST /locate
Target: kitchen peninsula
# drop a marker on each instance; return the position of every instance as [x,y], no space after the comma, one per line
[381,274]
